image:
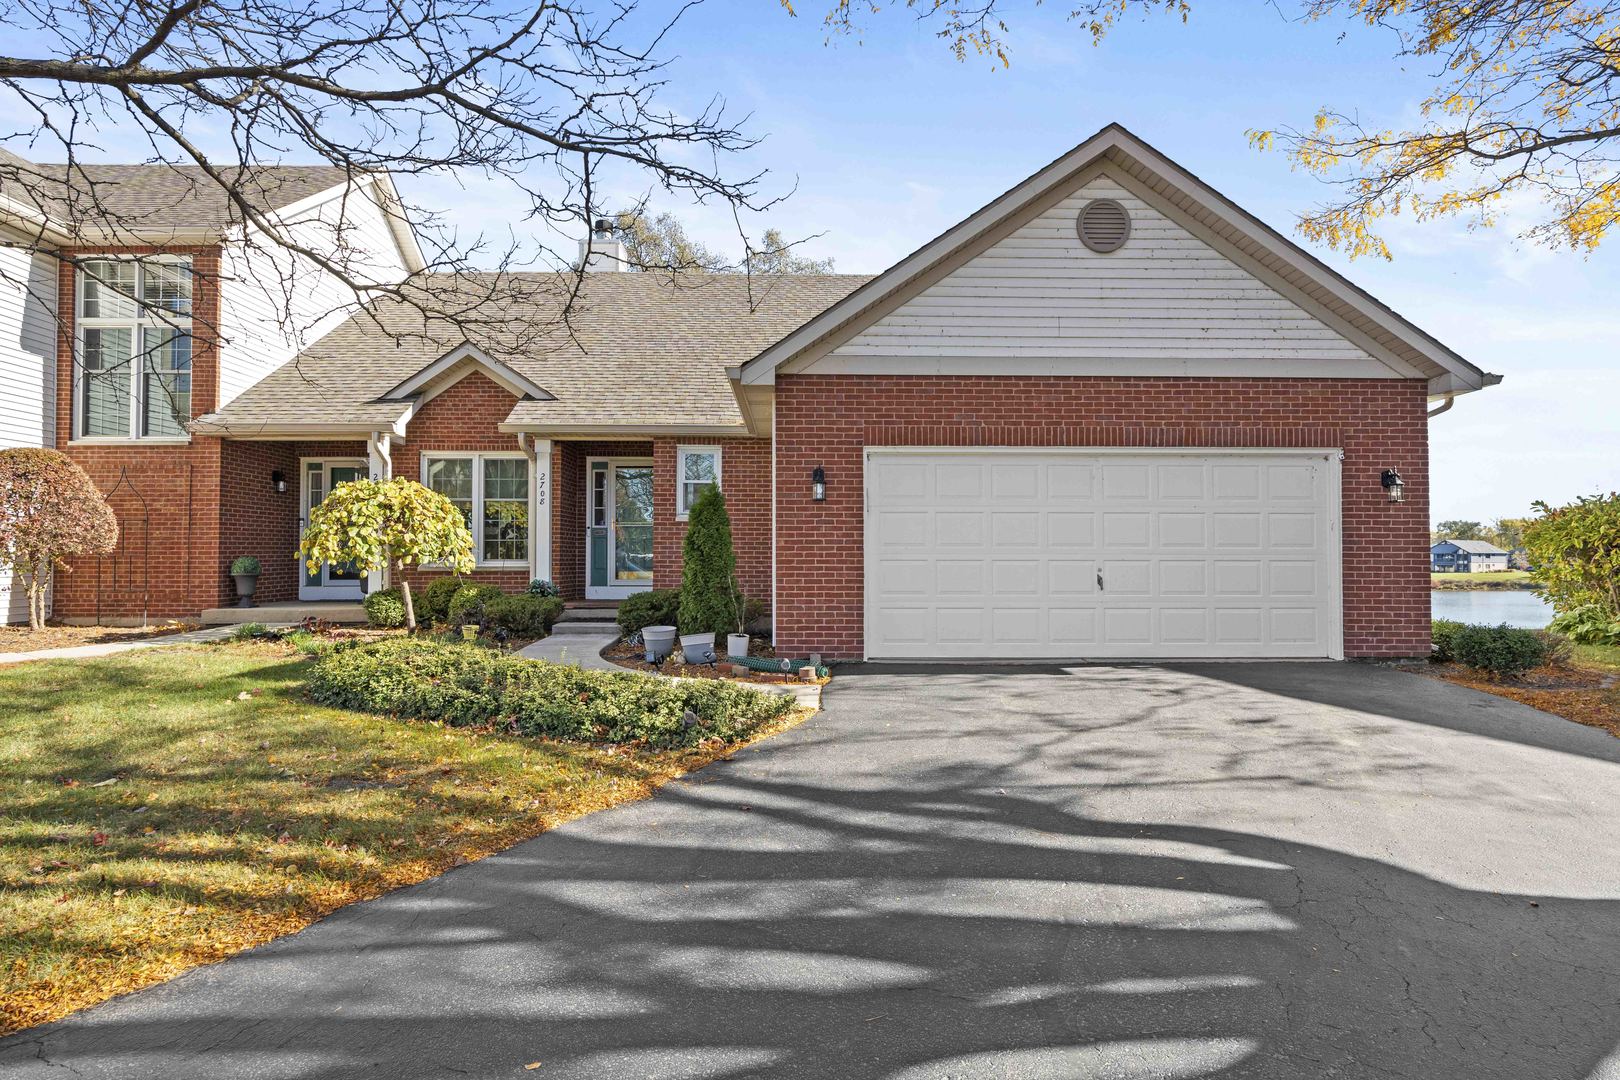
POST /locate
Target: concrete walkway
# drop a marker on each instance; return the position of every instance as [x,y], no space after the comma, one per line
[1265,871]
[88,652]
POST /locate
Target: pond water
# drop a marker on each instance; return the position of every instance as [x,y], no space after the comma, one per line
[1516,607]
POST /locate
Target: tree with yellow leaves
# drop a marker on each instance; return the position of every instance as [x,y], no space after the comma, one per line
[1525,98]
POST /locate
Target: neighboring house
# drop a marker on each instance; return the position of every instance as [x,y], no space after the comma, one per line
[117,384]
[1110,414]
[1466,557]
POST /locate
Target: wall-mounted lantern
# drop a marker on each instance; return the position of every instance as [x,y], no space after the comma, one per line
[818,484]
[1394,485]
[278,482]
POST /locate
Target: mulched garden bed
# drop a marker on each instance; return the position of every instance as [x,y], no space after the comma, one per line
[1580,694]
[634,657]
[16,639]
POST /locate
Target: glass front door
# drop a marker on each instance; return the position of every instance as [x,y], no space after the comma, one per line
[619,528]
[329,581]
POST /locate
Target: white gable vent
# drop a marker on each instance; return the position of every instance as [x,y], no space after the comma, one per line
[1104,226]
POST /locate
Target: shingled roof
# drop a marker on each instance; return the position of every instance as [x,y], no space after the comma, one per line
[637,350]
[156,197]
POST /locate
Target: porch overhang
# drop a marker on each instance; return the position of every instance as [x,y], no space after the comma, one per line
[274,431]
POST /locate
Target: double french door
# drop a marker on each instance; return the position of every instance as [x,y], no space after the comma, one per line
[618,527]
[329,581]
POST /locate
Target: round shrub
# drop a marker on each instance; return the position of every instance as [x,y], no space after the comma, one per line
[1442,632]
[468,603]
[541,587]
[245,564]
[656,607]
[523,615]
[384,609]
[433,606]
[1503,651]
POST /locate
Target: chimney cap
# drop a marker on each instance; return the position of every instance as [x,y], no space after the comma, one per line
[603,226]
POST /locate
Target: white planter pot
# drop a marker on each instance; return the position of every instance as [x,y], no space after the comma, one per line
[660,642]
[698,648]
[736,645]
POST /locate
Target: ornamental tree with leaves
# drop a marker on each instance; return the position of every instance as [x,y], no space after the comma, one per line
[50,509]
[387,525]
[711,599]
[1523,98]
[1575,550]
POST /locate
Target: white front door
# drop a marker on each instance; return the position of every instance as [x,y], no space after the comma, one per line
[1080,554]
[317,478]
[618,527]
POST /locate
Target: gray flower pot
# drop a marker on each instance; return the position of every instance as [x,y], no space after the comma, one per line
[660,642]
[246,585]
[698,648]
[736,645]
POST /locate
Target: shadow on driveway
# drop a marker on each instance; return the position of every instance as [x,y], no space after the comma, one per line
[1217,870]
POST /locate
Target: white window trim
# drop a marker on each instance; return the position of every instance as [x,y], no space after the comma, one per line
[681,509]
[142,319]
[478,457]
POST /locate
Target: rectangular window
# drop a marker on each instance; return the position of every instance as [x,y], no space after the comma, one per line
[133,377]
[492,492]
[696,467]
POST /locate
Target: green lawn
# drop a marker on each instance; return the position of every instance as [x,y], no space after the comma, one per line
[1500,579]
[1598,657]
[167,808]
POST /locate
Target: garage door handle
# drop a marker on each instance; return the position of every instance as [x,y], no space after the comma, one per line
[1099,581]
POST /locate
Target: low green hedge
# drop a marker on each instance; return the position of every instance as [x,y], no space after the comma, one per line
[1441,632]
[385,609]
[523,615]
[465,684]
[1503,651]
[655,607]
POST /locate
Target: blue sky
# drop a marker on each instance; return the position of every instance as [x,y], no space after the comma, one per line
[888,140]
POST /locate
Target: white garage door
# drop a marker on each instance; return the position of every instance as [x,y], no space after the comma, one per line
[1030,554]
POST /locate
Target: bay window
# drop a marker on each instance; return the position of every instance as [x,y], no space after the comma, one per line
[696,467]
[133,376]
[492,493]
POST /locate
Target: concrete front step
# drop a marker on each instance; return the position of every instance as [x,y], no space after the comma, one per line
[592,627]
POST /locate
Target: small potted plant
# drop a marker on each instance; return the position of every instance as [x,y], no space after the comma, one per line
[246,572]
[737,640]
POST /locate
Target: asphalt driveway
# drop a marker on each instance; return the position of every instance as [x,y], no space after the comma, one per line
[1278,870]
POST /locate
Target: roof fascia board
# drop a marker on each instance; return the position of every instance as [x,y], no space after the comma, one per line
[267,431]
[421,385]
[612,431]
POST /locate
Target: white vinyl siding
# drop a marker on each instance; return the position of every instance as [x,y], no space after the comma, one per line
[27,374]
[260,282]
[1040,302]
[1092,554]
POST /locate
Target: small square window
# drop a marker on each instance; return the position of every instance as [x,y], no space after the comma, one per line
[697,467]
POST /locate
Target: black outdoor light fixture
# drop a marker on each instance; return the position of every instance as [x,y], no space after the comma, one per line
[1394,485]
[818,484]
[278,481]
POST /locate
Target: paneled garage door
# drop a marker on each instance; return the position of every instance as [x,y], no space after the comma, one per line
[1060,554]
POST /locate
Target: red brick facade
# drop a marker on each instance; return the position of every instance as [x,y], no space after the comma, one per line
[168,503]
[827,420]
[745,476]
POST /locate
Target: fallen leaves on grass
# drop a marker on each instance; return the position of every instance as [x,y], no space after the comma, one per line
[208,846]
